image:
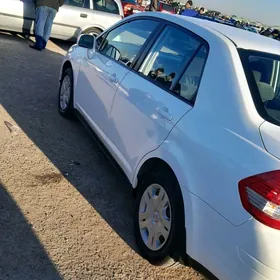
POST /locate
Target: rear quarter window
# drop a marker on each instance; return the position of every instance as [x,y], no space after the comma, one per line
[263,75]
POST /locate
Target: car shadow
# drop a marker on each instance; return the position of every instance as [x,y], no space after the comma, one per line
[17,238]
[30,97]
[64,45]
[70,147]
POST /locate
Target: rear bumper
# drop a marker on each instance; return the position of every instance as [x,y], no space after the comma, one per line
[247,252]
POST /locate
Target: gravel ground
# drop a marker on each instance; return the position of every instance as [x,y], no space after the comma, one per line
[65,213]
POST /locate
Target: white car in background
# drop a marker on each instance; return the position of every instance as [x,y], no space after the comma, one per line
[190,110]
[74,18]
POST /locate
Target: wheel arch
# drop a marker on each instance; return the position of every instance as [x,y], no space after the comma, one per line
[66,64]
[153,163]
[96,26]
[157,163]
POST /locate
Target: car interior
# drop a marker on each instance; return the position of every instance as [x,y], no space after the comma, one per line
[263,71]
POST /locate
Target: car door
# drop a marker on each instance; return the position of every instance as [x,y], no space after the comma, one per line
[17,15]
[100,76]
[105,13]
[153,98]
[70,19]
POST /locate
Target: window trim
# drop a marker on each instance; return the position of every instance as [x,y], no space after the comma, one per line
[145,49]
[252,84]
[89,8]
[181,73]
[153,35]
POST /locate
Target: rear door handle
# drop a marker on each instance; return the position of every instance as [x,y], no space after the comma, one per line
[113,78]
[164,112]
[83,15]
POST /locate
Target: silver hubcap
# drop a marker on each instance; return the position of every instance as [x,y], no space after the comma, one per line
[65,92]
[155,217]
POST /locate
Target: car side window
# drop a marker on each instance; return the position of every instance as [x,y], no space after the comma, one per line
[78,3]
[188,84]
[169,55]
[124,43]
[107,6]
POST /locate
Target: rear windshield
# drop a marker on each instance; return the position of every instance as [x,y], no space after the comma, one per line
[263,74]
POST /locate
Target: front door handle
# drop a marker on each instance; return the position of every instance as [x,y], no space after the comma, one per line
[83,15]
[113,78]
[164,112]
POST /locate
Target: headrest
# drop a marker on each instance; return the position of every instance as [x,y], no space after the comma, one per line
[266,91]
[257,75]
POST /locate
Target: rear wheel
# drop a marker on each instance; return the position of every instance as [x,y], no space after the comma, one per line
[93,31]
[159,219]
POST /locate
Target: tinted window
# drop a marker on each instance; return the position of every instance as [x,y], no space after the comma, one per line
[168,57]
[107,6]
[188,84]
[78,3]
[265,87]
[124,43]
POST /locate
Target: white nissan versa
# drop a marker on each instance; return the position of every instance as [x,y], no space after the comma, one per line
[190,110]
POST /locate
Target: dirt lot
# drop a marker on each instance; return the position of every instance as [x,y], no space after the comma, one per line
[65,213]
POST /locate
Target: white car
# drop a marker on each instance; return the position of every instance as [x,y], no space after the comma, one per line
[75,17]
[190,110]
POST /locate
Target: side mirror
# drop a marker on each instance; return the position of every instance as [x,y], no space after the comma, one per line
[87,41]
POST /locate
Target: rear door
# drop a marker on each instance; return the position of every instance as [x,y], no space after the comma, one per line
[157,94]
[71,18]
[107,12]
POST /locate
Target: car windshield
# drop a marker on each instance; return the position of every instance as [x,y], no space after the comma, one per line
[263,75]
[166,7]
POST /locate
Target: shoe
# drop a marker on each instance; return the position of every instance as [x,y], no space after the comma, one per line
[35,47]
[44,44]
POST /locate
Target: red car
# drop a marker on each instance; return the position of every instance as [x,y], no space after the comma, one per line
[166,8]
[131,7]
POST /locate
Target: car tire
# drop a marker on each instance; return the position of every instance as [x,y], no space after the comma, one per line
[93,31]
[65,98]
[171,248]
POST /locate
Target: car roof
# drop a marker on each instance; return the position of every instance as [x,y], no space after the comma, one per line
[241,38]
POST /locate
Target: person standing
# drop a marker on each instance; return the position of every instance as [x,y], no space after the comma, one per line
[45,14]
[188,10]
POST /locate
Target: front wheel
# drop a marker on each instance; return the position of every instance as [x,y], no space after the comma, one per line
[159,219]
[65,97]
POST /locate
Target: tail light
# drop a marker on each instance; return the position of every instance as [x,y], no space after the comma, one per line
[260,196]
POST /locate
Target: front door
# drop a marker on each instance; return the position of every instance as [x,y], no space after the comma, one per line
[152,99]
[100,76]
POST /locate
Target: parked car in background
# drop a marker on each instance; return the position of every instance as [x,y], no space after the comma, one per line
[182,104]
[251,29]
[166,8]
[131,7]
[75,17]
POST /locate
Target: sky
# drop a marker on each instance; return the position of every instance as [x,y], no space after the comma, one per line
[265,11]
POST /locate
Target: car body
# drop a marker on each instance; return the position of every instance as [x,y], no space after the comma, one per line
[166,8]
[74,17]
[189,109]
[131,7]
[251,29]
